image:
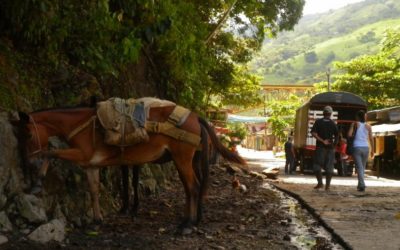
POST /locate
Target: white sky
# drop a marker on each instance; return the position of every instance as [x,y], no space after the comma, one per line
[318,6]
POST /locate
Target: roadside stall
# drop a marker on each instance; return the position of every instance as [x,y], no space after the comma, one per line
[386,132]
[259,137]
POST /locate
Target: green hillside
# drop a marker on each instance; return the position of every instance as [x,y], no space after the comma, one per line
[303,55]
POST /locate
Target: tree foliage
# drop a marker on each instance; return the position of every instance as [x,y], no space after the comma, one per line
[104,37]
[347,32]
[282,115]
[374,77]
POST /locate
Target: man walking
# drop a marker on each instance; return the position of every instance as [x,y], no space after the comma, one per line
[290,156]
[325,132]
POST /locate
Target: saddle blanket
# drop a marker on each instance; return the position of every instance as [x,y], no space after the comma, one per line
[125,121]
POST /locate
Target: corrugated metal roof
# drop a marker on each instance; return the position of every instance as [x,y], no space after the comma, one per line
[246,119]
[386,129]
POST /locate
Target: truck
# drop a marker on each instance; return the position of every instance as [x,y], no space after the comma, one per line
[345,105]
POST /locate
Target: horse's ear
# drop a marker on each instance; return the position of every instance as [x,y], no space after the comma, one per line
[93,101]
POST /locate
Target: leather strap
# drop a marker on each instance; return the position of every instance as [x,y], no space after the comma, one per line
[81,127]
[169,129]
[178,115]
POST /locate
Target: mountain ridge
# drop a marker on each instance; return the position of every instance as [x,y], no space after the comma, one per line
[302,56]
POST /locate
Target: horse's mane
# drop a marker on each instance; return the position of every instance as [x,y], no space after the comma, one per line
[61,109]
[91,103]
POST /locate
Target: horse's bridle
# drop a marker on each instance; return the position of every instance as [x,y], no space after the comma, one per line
[70,135]
[37,137]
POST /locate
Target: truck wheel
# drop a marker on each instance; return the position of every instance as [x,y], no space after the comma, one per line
[340,169]
[350,169]
[302,164]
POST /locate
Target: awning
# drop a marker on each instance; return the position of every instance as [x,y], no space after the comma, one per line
[386,129]
[247,119]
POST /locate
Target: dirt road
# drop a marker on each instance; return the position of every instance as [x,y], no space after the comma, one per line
[257,218]
[232,220]
[363,220]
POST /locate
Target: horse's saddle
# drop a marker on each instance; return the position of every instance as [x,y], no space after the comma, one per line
[125,121]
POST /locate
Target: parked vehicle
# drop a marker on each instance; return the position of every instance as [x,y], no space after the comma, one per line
[345,105]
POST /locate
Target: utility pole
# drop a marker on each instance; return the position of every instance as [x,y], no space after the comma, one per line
[265,110]
[328,75]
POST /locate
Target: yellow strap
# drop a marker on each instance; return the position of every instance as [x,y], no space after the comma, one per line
[178,115]
[169,129]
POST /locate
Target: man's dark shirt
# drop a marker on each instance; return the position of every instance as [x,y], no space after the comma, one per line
[326,129]
[288,149]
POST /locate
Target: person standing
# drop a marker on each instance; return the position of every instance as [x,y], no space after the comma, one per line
[361,150]
[325,132]
[290,156]
[341,156]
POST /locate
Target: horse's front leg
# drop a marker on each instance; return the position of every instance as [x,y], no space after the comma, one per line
[36,185]
[93,177]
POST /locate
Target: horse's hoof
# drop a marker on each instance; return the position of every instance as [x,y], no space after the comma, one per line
[134,216]
[124,211]
[187,231]
[95,225]
[97,222]
[36,190]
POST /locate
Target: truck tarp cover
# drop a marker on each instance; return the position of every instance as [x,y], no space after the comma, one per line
[338,97]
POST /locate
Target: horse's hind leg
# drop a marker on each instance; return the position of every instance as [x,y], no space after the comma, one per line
[201,163]
[135,184]
[94,182]
[197,166]
[125,189]
[187,175]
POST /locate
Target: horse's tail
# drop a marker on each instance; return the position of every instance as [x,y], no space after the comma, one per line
[226,153]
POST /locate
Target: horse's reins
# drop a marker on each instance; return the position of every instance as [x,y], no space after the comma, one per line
[82,127]
[69,136]
[37,137]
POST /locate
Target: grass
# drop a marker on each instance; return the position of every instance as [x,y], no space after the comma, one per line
[345,48]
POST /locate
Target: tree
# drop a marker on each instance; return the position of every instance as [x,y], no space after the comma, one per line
[311,57]
[282,115]
[194,48]
[374,77]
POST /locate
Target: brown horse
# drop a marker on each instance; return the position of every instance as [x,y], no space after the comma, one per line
[201,166]
[89,151]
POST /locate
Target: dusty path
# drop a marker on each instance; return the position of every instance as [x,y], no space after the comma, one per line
[259,218]
[232,220]
[364,220]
